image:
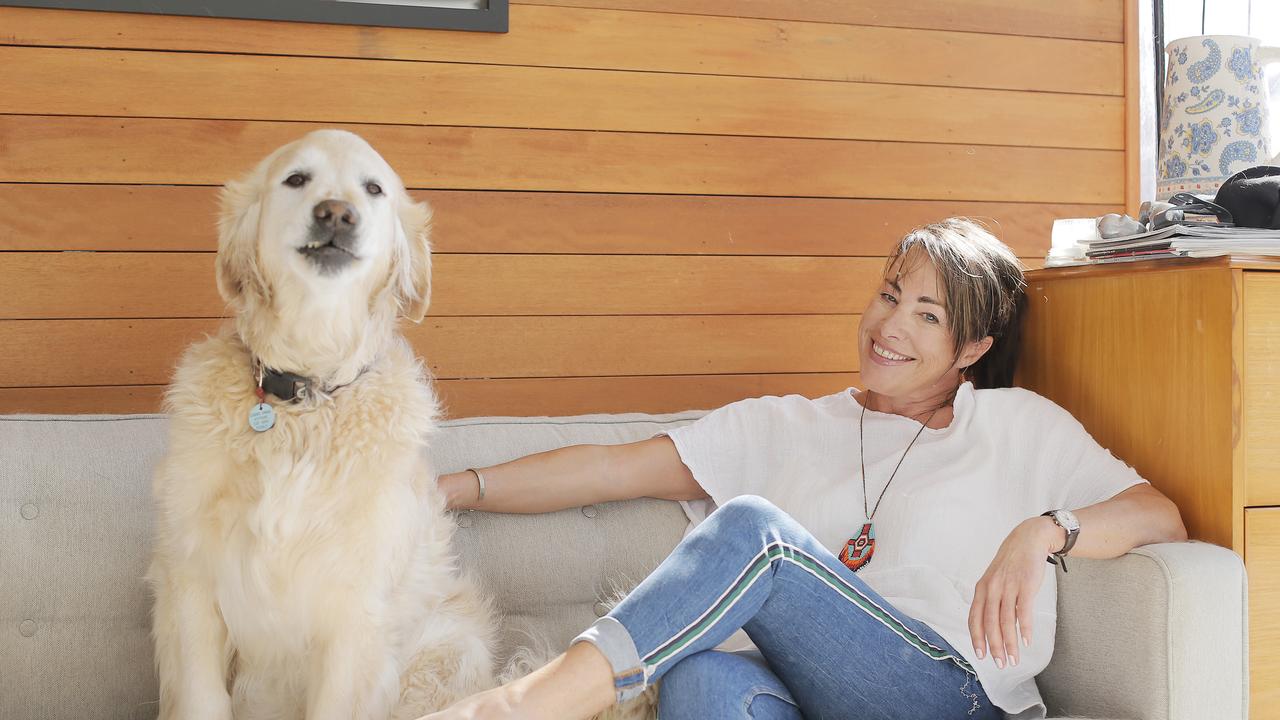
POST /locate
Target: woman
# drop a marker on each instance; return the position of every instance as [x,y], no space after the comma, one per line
[884,550]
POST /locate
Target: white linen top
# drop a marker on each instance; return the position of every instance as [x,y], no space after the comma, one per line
[1008,455]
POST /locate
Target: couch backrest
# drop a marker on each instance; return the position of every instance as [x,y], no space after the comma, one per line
[76,526]
[75,529]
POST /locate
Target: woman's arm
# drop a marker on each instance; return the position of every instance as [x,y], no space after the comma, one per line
[1141,515]
[576,475]
[1004,598]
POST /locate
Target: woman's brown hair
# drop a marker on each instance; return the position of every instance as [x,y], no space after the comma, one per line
[984,287]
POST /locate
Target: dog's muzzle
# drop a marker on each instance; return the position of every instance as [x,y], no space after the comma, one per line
[332,237]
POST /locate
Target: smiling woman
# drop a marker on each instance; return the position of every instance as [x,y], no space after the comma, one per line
[946,312]
[482,15]
[960,286]
[932,602]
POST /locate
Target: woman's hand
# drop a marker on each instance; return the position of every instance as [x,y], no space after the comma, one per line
[492,705]
[1004,598]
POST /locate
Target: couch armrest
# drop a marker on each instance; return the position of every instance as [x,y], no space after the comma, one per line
[1158,634]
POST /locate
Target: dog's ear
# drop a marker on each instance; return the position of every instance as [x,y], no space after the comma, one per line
[238,276]
[413,262]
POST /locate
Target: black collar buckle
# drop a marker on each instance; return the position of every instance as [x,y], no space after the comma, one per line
[285,385]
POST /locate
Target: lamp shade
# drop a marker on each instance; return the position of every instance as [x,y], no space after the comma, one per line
[1213,119]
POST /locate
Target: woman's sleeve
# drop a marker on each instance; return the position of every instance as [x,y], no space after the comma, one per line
[1080,472]
[726,449]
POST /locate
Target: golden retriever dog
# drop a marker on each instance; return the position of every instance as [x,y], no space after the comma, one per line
[302,563]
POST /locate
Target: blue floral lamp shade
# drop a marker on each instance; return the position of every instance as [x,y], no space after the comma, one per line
[1214,120]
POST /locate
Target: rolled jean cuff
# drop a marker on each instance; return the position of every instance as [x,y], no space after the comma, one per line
[613,640]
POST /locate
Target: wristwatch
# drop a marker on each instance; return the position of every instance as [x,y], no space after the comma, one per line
[1066,520]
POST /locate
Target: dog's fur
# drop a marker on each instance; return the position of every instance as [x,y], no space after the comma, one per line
[306,571]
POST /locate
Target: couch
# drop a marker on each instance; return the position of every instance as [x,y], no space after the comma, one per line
[1158,634]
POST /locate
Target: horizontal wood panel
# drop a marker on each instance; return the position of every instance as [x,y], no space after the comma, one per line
[1084,19]
[202,152]
[471,398]
[51,353]
[164,285]
[97,400]
[48,81]
[140,217]
[620,40]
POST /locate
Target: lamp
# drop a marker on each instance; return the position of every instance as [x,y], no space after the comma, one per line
[1214,118]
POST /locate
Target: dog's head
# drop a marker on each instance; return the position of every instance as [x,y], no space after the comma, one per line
[321,221]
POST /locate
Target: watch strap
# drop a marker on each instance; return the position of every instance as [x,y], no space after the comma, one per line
[1067,522]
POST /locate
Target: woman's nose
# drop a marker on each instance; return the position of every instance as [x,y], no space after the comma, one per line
[892,327]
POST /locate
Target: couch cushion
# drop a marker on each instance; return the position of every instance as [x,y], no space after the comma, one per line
[75,528]
[590,552]
[75,525]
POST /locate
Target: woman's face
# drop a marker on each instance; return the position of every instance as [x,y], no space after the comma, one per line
[904,340]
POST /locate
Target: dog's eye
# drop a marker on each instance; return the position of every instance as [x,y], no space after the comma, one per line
[373,188]
[296,180]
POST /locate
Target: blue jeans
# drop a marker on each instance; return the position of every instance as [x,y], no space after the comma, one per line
[830,648]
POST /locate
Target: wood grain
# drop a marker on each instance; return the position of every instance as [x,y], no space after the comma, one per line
[1239,390]
[1084,19]
[1118,364]
[205,152]
[34,217]
[1262,562]
[618,40]
[170,285]
[472,398]
[1262,378]
[91,400]
[48,81]
[54,353]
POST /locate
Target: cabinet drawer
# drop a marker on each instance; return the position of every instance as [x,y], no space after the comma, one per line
[1262,561]
[1261,402]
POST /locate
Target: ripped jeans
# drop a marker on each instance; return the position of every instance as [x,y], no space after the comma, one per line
[830,648]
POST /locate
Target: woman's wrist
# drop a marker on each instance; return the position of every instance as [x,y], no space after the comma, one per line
[1049,534]
[460,490]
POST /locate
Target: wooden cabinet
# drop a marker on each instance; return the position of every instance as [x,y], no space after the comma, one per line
[1262,560]
[1175,367]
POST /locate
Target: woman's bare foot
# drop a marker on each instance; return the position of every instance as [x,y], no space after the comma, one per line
[577,684]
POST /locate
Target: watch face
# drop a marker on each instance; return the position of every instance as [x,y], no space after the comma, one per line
[1068,520]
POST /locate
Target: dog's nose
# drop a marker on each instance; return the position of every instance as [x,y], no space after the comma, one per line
[335,215]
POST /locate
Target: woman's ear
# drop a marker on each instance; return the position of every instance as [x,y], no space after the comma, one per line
[240,281]
[413,263]
[974,351]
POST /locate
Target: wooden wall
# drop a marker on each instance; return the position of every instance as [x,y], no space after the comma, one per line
[643,205]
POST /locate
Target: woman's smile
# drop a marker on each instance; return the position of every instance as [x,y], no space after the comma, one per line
[884,356]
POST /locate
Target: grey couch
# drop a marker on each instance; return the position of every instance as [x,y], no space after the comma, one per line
[1156,635]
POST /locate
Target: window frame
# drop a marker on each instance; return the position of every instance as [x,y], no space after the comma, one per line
[491,18]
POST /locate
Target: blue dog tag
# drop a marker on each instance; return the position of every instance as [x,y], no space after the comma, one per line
[262,417]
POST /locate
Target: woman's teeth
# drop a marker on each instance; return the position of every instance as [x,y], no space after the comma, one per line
[886,353]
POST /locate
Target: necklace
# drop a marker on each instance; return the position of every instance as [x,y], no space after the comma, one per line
[857,551]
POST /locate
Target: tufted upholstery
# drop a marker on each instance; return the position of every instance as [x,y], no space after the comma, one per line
[1156,635]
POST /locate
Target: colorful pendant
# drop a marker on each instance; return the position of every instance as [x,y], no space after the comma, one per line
[858,551]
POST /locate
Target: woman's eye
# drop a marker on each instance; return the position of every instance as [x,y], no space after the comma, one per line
[296,180]
[373,188]
[888,298]
[930,318]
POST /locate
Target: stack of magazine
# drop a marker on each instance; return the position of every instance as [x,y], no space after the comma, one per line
[1186,240]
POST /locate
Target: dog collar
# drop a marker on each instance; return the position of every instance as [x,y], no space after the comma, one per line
[285,385]
[291,387]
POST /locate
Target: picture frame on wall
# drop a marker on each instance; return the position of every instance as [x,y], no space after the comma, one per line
[473,15]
